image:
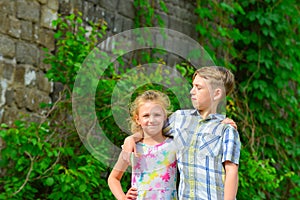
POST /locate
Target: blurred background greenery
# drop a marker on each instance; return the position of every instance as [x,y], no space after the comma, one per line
[257,40]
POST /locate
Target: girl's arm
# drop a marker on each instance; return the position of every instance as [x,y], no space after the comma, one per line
[114,180]
[231,180]
[114,183]
[230,122]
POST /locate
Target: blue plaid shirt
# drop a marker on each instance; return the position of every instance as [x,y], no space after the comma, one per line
[203,145]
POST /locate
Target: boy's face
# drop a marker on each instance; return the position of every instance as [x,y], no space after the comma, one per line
[201,94]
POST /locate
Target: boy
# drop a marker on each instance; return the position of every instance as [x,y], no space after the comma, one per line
[207,148]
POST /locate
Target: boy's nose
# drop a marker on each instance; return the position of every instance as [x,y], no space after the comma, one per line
[192,90]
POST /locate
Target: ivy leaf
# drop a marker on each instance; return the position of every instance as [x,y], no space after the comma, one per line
[49,181]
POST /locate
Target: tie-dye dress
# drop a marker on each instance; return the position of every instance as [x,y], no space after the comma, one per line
[154,171]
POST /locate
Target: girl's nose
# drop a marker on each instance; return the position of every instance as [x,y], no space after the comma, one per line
[151,118]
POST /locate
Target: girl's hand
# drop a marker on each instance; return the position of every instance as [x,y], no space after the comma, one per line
[230,121]
[131,194]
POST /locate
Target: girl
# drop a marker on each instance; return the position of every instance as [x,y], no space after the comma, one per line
[154,169]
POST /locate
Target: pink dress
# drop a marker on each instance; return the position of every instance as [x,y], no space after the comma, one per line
[154,171]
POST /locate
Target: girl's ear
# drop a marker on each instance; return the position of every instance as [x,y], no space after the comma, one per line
[136,117]
[218,93]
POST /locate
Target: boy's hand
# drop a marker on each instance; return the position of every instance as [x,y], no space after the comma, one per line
[131,194]
[229,121]
[129,146]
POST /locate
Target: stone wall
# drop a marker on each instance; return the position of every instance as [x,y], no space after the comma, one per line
[25,29]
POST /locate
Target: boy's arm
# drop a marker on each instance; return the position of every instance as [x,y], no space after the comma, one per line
[130,143]
[231,180]
[230,160]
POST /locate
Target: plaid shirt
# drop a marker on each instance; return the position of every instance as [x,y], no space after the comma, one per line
[203,145]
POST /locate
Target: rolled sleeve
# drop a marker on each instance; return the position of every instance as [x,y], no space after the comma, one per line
[231,146]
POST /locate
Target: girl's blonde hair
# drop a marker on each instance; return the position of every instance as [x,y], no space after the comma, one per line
[148,96]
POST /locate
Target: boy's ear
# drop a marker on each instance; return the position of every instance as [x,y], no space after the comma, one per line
[218,94]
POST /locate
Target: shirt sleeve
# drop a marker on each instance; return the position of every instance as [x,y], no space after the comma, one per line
[169,125]
[231,145]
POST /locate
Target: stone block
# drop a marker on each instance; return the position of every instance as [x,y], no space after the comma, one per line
[14,27]
[53,4]
[4,23]
[109,18]
[43,83]
[9,96]
[175,24]
[20,97]
[43,1]
[7,71]
[19,77]
[109,5]
[43,66]
[27,53]
[26,30]
[65,7]
[99,12]
[126,9]
[46,38]
[10,115]
[88,11]
[127,24]
[29,77]
[48,15]
[34,99]
[118,24]
[57,88]
[7,46]
[28,10]
[8,7]
[3,88]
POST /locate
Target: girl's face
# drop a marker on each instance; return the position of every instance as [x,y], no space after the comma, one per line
[151,117]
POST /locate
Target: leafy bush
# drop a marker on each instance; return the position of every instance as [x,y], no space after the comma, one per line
[47,160]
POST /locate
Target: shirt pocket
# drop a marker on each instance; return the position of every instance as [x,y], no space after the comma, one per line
[208,144]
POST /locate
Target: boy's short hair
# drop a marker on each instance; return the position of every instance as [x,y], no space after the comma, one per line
[217,77]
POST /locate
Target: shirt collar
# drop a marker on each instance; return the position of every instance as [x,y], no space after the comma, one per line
[217,116]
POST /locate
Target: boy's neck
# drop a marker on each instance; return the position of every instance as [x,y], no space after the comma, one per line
[205,113]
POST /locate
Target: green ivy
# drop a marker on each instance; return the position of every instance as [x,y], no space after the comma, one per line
[259,41]
[74,43]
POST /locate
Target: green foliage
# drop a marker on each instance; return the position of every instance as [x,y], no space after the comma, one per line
[48,160]
[41,164]
[146,13]
[259,41]
[74,43]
